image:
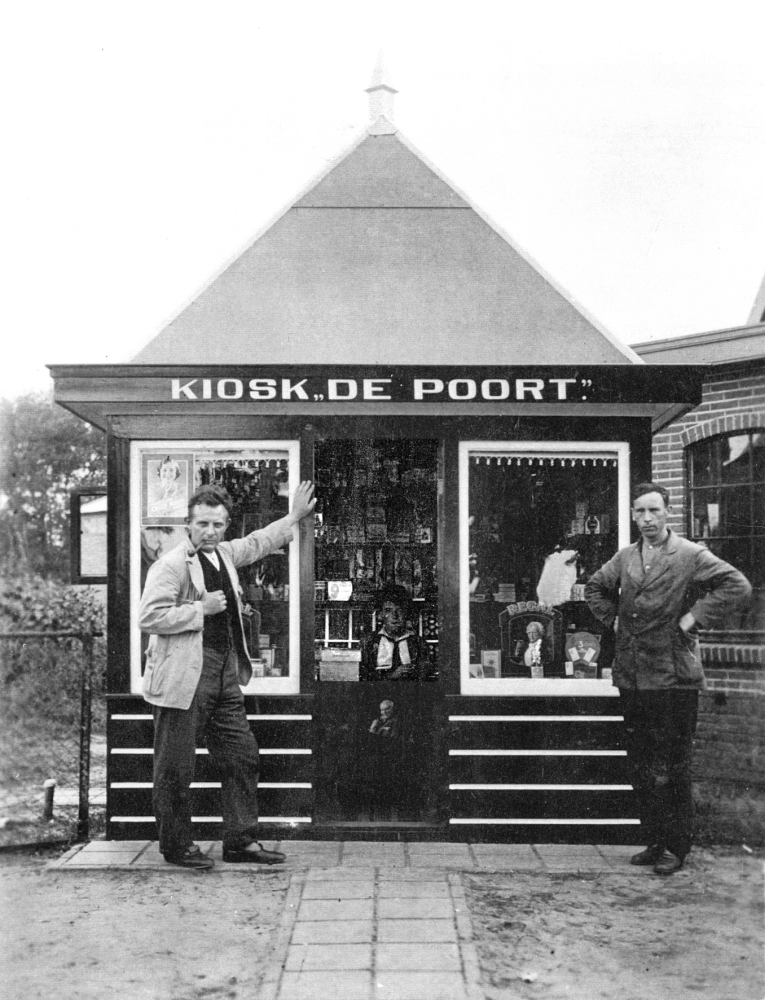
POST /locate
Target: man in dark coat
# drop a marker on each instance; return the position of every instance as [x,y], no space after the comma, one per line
[662,589]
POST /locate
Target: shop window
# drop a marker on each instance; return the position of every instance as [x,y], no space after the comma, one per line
[376,533]
[726,479]
[536,520]
[260,477]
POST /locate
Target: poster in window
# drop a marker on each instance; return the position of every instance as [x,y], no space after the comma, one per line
[166,485]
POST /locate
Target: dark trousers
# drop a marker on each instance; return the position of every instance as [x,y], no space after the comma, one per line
[216,719]
[659,727]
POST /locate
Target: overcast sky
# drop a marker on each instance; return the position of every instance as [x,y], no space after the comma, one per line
[622,146]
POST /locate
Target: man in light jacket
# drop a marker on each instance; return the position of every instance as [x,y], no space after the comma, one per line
[196,661]
[662,589]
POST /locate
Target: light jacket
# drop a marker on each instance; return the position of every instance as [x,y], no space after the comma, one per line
[652,651]
[171,610]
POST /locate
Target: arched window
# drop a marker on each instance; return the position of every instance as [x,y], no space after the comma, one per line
[726,479]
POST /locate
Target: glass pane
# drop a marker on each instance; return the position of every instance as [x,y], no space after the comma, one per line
[703,463]
[735,459]
[705,513]
[757,569]
[257,482]
[538,526]
[735,511]
[758,510]
[92,536]
[758,456]
[376,535]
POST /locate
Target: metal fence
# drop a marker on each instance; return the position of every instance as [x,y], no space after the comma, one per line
[52,736]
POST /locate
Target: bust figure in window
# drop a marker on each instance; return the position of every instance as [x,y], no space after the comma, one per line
[537,653]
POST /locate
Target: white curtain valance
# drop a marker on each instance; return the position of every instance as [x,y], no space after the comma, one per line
[531,460]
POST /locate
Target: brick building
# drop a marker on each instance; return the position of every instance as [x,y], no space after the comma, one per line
[712,461]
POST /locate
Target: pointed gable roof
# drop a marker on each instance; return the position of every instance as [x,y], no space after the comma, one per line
[383,261]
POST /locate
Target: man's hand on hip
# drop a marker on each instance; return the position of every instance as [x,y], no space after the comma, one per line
[213,602]
[687,622]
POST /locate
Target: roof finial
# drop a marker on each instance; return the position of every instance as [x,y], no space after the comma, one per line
[381,92]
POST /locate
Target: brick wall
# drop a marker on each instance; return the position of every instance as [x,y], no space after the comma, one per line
[733,399]
[729,760]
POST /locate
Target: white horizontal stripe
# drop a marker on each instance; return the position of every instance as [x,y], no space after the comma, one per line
[204,750]
[547,822]
[285,784]
[537,753]
[213,784]
[286,718]
[541,788]
[149,718]
[536,718]
[214,819]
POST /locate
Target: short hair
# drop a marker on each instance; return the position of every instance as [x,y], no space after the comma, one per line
[169,461]
[395,594]
[211,496]
[642,488]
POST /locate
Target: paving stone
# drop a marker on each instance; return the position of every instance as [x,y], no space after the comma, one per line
[441,957]
[566,850]
[115,846]
[413,890]
[414,909]
[332,932]
[327,957]
[416,930]
[419,986]
[339,890]
[335,909]
[512,857]
[100,861]
[317,985]
[410,874]
[329,874]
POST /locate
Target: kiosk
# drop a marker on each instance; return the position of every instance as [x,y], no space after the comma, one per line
[472,435]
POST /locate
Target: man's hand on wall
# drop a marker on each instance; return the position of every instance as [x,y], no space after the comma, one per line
[303,502]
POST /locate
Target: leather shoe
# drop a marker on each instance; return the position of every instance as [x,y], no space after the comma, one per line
[649,856]
[668,864]
[257,857]
[191,858]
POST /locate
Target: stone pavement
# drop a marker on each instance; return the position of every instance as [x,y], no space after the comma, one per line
[364,919]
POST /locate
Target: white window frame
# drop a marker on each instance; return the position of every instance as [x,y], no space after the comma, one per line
[258,685]
[521,686]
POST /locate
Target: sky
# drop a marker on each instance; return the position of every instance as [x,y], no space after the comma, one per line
[147,143]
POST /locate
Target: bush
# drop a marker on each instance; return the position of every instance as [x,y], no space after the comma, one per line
[41,678]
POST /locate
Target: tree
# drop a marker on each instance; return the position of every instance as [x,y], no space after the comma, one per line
[45,451]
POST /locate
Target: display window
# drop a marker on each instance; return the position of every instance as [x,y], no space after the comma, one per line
[375,560]
[260,477]
[536,520]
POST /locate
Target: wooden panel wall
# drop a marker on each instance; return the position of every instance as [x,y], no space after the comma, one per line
[282,726]
[538,770]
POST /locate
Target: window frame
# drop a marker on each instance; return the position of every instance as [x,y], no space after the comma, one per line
[530,687]
[719,486]
[257,685]
[76,574]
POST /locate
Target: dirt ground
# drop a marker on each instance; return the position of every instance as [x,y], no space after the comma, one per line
[182,936]
[134,935]
[699,933]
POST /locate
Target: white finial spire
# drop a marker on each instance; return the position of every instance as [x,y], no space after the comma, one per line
[381,92]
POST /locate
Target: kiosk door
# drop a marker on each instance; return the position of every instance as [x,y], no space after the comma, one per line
[376,636]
